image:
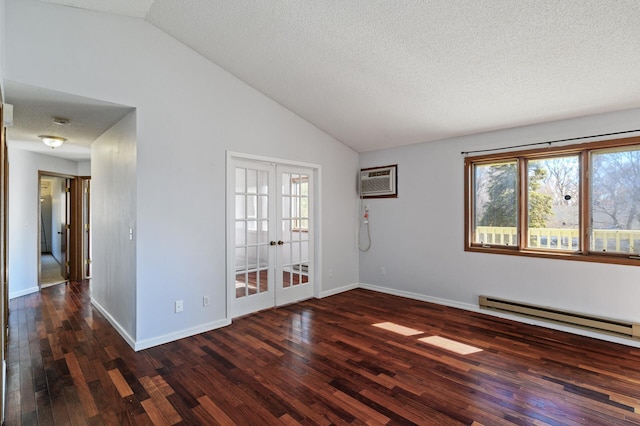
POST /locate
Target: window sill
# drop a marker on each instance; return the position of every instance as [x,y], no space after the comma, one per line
[615,259]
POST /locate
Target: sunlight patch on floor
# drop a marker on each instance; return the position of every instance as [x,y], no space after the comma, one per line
[396,328]
[450,345]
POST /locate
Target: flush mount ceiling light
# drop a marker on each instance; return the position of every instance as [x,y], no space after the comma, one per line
[52,141]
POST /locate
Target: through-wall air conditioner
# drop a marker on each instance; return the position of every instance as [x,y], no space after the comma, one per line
[379,182]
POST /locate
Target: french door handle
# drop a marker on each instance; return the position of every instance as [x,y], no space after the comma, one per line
[280,242]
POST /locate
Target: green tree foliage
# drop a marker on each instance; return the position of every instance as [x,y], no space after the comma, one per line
[540,204]
[501,208]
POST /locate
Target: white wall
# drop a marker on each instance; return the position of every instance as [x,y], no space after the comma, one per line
[189,113]
[419,237]
[45,213]
[58,219]
[113,209]
[24,223]
[84,168]
[2,47]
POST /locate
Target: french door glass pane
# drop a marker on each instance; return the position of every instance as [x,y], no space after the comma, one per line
[263,182]
[264,207]
[261,284]
[241,237]
[252,257]
[553,194]
[241,258]
[286,207]
[252,206]
[252,181]
[615,201]
[252,283]
[263,234]
[286,230]
[495,215]
[241,284]
[240,179]
[240,206]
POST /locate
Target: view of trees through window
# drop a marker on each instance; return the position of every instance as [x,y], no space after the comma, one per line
[553,201]
[615,204]
[496,202]
[554,217]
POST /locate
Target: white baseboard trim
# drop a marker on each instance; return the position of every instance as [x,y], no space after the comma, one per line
[155,341]
[418,296]
[516,318]
[130,341]
[24,292]
[338,290]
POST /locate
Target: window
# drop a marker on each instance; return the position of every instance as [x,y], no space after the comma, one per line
[496,212]
[579,202]
[615,201]
[553,218]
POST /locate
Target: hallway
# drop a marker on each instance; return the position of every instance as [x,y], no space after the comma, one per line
[50,271]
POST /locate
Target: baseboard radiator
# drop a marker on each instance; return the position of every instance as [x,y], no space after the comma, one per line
[610,326]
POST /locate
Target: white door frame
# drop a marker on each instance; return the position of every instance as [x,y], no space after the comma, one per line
[230,222]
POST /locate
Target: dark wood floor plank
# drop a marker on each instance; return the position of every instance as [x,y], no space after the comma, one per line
[43,408]
[318,362]
[159,400]
[13,412]
[60,412]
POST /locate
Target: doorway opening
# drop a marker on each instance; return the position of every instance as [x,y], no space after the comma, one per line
[64,238]
[53,220]
[271,245]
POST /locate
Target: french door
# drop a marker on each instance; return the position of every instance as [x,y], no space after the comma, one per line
[271,246]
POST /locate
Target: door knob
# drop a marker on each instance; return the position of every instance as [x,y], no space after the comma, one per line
[272,243]
[280,242]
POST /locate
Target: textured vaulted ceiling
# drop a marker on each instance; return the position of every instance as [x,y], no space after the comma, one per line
[383,73]
[135,8]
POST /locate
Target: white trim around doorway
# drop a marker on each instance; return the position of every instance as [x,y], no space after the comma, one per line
[229,231]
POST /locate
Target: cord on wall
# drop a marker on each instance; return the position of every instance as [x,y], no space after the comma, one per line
[364,223]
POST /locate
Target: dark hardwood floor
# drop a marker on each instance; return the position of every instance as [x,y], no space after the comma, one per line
[317,362]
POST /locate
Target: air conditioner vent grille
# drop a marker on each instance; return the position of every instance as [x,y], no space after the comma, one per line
[376,185]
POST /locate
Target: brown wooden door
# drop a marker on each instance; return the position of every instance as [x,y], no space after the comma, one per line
[4,287]
[65,226]
[86,230]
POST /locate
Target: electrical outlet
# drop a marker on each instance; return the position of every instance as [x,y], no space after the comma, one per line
[179,306]
[205,300]
[382,270]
